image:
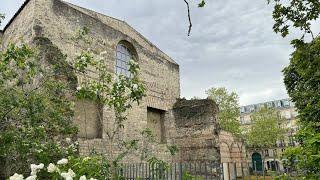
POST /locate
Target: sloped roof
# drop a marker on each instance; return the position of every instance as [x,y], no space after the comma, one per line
[15,15]
[102,17]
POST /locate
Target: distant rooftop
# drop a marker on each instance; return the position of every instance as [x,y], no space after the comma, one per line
[283,103]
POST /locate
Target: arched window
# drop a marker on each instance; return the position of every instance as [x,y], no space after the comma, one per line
[123,56]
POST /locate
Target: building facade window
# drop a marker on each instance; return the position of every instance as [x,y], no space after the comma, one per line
[123,56]
[286,103]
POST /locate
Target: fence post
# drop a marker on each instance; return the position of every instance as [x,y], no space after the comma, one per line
[195,168]
[248,169]
[263,173]
[229,171]
[205,170]
[242,172]
[149,167]
[180,170]
[222,171]
[255,169]
[235,170]
[175,171]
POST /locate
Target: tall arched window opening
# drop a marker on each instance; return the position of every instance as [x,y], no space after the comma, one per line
[123,56]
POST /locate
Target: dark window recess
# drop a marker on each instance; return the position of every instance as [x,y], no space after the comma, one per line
[155,122]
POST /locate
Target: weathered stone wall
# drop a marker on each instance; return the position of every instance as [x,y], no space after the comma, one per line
[59,21]
[21,28]
[1,36]
[196,130]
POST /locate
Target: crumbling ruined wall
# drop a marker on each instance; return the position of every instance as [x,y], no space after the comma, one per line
[196,130]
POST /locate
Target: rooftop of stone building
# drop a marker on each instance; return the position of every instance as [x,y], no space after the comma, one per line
[99,16]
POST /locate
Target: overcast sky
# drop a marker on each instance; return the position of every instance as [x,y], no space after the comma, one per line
[231,45]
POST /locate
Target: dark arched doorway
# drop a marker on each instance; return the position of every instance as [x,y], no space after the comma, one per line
[256,161]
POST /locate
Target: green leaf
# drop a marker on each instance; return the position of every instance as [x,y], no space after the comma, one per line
[202,3]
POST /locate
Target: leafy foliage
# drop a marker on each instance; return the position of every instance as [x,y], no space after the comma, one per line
[302,80]
[35,113]
[187,176]
[228,109]
[296,13]
[266,128]
[202,3]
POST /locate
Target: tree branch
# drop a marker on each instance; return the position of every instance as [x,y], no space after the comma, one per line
[189,17]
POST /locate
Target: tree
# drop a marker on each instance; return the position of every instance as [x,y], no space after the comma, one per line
[302,81]
[301,78]
[201,4]
[266,129]
[228,109]
[35,111]
[295,13]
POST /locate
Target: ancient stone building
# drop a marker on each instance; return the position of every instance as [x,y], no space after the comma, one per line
[192,125]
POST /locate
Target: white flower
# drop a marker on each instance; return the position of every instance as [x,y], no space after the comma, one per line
[34,177]
[83,178]
[62,161]
[35,168]
[16,177]
[68,140]
[41,166]
[69,175]
[66,176]
[51,168]
[79,88]
[83,58]
[135,86]
[92,179]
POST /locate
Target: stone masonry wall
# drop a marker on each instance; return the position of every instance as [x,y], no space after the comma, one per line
[196,130]
[20,30]
[59,21]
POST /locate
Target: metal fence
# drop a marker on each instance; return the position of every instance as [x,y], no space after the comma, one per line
[201,171]
[173,171]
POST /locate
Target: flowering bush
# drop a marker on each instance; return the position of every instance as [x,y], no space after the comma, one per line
[84,168]
[35,112]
